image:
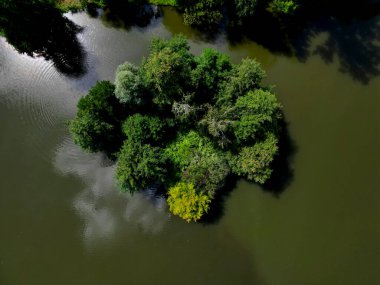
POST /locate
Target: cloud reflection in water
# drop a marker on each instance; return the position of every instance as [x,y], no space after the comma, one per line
[107,213]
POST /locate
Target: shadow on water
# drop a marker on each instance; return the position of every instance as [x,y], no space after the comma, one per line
[283,173]
[217,206]
[37,28]
[352,30]
[126,14]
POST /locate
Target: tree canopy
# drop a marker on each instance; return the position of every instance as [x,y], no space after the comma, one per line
[182,122]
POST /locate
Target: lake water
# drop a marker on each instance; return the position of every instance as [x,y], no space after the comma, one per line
[62,221]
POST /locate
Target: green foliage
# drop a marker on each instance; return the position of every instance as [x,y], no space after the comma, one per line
[91,133]
[164,2]
[186,121]
[259,111]
[139,166]
[177,44]
[212,68]
[286,7]
[218,123]
[245,8]
[183,149]
[253,162]
[245,77]
[144,129]
[100,101]
[187,203]
[167,71]
[199,163]
[205,14]
[207,171]
[97,124]
[129,85]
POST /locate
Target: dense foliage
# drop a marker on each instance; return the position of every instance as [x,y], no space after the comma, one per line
[208,14]
[183,123]
[97,124]
[203,14]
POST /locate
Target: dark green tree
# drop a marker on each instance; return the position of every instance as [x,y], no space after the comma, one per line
[212,68]
[96,126]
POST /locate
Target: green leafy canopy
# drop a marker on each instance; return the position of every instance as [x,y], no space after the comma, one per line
[183,122]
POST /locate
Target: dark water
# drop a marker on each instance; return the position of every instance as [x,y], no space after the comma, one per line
[63,222]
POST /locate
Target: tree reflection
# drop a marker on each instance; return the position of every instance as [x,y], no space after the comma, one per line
[352,29]
[125,14]
[37,28]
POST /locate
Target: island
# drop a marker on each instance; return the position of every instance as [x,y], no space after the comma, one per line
[183,123]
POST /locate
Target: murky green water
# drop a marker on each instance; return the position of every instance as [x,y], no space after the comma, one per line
[63,222]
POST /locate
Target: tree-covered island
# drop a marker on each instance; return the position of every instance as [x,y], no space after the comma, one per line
[183,123]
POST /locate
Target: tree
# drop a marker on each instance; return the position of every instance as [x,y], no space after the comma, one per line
[129,86]
[258,112]
[167,75]
[245,77]
[139,166]
[177,44]
[96,126]
[187,203]
[144,129]
[212,68]
[198,162]
[203,14]
[253,162]
[185,147]
[101,102]
[91,133]
[206,171]
[218,123]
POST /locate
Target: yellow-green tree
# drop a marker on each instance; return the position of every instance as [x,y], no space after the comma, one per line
[188,203]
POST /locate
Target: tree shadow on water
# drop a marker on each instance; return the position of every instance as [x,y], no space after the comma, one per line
[125,14]
[217,206]
[37,28]
[282,165]
[349,31]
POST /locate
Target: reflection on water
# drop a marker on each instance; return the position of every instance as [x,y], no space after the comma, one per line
[37,28]
[351,34]
[104,210]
